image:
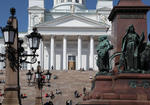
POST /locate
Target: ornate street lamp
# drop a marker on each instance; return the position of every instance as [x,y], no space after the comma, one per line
[34,39]
[9,33]
[29,76]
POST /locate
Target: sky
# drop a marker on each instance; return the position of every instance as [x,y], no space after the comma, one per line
[22,11]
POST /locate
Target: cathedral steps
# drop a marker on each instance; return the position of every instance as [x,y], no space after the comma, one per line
[67,82]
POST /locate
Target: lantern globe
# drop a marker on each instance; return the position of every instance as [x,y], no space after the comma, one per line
[34,39]
[8,34]
[29,75]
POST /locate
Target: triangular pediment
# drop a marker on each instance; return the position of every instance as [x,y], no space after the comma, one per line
[73,21]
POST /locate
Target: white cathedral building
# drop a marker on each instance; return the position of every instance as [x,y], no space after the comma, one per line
[69,33]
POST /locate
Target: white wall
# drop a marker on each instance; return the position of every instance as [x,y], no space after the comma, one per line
[39,3]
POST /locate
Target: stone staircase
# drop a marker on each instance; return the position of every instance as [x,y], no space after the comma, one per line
[67,82]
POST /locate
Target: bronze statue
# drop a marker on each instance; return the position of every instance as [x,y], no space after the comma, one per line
[103,54]
[131,44]
[145,58]
[134,55]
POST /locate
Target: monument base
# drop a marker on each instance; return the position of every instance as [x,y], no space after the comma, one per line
[121,89]
[10,98]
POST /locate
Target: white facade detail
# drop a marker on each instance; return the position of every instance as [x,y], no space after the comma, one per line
[101,4]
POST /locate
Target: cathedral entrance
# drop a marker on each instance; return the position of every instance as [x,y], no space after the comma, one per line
[71,62]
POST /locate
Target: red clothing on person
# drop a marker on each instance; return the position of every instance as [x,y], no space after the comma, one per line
[46,95]
[43,77]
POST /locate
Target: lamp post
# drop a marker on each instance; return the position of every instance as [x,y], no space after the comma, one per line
[39,82]
[38,85]
[29,76]
[12,88]
[14,57]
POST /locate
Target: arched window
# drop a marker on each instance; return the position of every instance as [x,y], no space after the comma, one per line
[69,0]
[62,1]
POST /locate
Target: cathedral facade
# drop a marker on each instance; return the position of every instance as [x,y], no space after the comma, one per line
[69,33]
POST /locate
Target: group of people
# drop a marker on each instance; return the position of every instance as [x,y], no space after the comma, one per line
[52,95]
[77,94]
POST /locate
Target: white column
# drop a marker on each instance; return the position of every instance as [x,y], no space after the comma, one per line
[55,2]
[42,54]
[52,51]
[65,0]
[91,60]
[79,52]
[64,53]
[80,1]
[29,66]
